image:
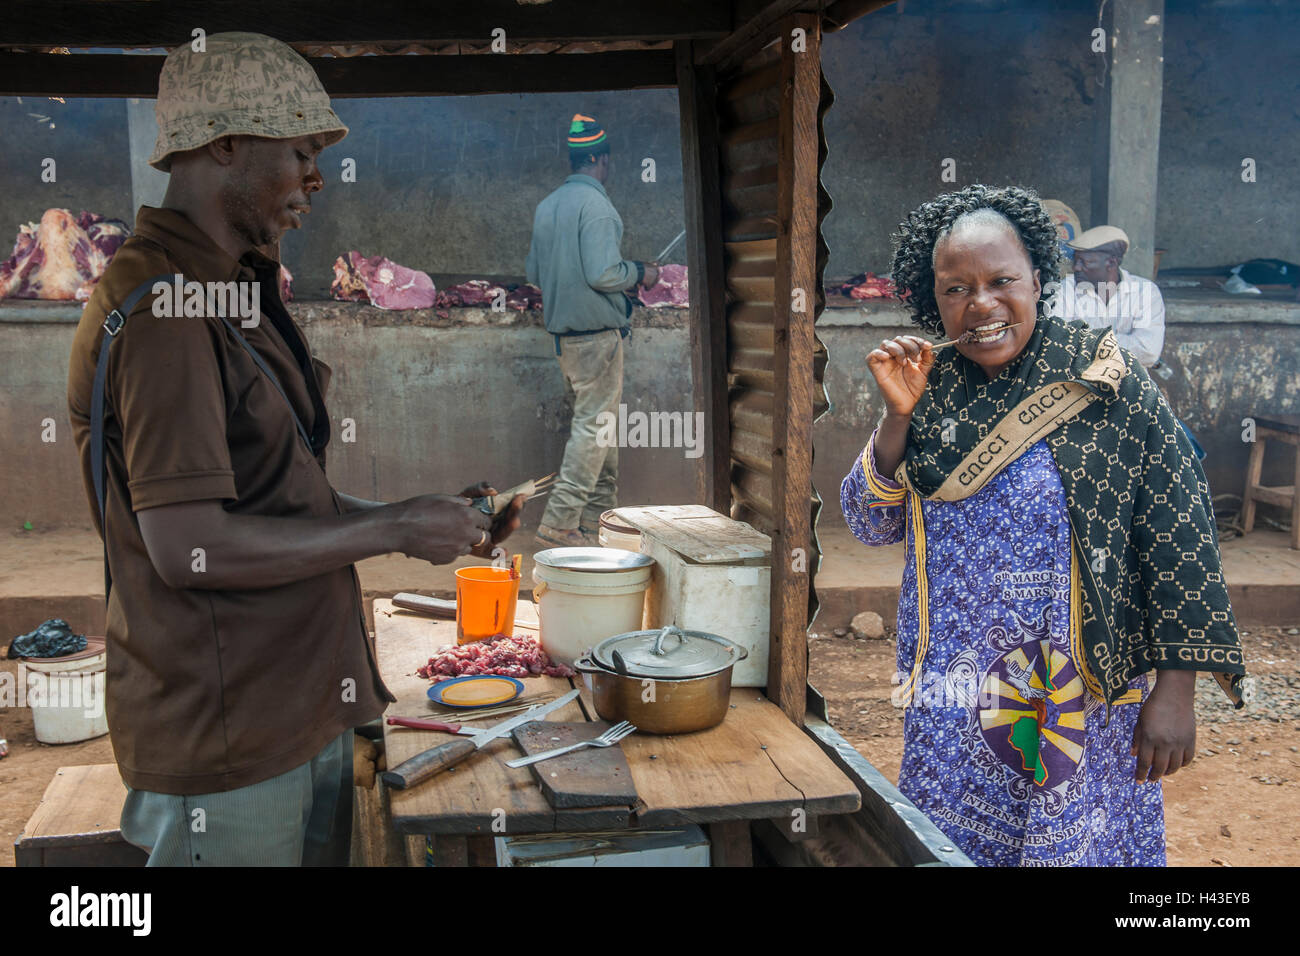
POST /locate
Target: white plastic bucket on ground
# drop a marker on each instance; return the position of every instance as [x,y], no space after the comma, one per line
[66,695]
[617,533]
[579,609]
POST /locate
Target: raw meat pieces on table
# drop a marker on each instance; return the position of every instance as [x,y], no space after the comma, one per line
[61,257]
[502,655]
[672,291]
[381,282]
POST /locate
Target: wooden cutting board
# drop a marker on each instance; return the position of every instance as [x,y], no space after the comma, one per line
[590,777]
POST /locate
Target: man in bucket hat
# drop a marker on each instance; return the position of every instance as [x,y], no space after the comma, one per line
[238,655]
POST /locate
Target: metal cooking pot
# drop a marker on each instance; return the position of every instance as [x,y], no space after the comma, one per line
[665,681]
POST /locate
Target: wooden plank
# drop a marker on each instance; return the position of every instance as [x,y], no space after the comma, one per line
[1283,496]
[755,764]
[889,830]
[591,777]
[145,23]
[702,200]
[81,805]
[123,75]
[793,368]
[467,799]
[730,845]
[702,535]
[750,35]
[840,13]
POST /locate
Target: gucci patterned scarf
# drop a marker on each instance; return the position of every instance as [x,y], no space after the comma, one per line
[1153,594]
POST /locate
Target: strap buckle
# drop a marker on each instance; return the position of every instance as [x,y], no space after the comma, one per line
[113,322]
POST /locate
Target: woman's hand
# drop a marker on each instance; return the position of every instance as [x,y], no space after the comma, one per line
[1165,738]
[900,367]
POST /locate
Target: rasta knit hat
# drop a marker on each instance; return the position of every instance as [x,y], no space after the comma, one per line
[242,84]
[586,136]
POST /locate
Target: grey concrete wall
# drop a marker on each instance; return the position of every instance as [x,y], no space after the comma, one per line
[437,405]
[1231,87]
[448,184]
[999,88]
[440,404]
[1231,359]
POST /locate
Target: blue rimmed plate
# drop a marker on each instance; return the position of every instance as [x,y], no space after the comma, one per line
[475,690]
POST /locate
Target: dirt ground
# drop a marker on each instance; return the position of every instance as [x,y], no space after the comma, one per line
[1234,806]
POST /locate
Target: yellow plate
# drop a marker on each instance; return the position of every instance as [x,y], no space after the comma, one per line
[476,691]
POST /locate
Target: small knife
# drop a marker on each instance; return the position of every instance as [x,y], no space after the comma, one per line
[426,764]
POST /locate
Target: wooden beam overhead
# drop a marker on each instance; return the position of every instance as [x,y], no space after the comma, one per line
[144,23]
[122,75]
[840,13]
[754,30]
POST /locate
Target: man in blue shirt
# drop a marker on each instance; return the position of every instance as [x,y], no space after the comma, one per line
[575,259]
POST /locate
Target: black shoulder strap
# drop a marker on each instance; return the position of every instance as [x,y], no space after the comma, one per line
[113,324]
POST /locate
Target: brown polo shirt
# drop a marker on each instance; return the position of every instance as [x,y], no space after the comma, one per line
[213,690]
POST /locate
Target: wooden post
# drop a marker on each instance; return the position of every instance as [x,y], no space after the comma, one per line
[794,312]
[702,198]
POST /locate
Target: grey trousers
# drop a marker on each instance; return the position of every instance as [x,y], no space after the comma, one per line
[303,817]
[587,485]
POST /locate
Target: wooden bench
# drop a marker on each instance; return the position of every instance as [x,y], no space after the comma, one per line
[78,822]
[1286,429]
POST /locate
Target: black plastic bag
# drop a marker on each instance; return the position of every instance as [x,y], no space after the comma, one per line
[54,638]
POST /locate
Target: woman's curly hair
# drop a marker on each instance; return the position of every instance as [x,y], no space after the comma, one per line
[913,269]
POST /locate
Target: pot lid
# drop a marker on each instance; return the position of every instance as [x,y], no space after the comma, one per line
[592,559]
[668,654]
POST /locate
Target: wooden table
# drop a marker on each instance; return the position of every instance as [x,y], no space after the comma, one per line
[756,765]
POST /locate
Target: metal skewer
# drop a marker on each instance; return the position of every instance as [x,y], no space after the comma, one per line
[966,336]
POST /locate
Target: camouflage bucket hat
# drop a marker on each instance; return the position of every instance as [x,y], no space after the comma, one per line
[242,84]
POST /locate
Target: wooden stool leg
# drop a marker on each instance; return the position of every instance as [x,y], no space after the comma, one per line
[1253,470]
[730,844]
[1295,503]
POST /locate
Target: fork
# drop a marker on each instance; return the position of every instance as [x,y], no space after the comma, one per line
[608,739]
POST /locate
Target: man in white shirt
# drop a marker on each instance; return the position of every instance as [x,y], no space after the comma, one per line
[1106,296]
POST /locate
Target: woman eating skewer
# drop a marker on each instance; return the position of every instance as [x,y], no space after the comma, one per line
[1059,549]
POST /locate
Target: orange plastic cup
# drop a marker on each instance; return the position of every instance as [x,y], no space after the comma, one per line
[485,603]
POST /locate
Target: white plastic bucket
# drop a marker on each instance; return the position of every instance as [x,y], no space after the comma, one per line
[579,609]
[66,695]
[617,533]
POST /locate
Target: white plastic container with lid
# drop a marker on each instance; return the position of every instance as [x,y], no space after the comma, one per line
[585,595]
[711,573]
[66,694]
[617,533]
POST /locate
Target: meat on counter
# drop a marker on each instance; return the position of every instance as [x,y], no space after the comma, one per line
[381,282]
[61,257]
[502,655]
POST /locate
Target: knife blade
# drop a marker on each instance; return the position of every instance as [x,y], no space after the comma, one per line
[669,248]
[426,764]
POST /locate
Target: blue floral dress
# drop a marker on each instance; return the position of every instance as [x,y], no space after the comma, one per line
[1005,747]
